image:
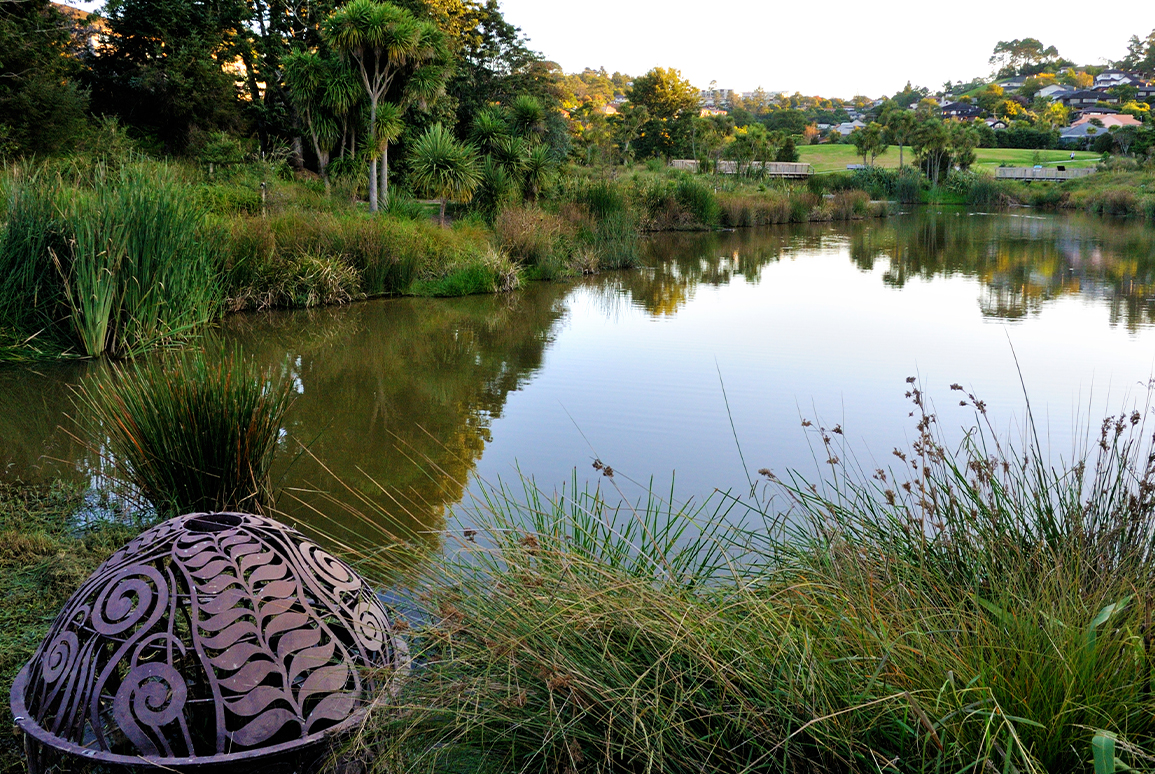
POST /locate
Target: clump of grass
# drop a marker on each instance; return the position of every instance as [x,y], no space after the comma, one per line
[191,432]
[115,265]
[848,205]
[532,236]
[259,276]
[1116,203]
[491,272]
[961,610]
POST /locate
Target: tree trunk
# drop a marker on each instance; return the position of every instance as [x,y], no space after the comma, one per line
[441,218]
[373,202]
[385,175]
[900,155]
[372,185]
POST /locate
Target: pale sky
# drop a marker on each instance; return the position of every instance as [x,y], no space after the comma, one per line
[836,48]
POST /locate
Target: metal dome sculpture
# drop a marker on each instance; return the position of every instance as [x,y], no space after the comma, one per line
[210,639]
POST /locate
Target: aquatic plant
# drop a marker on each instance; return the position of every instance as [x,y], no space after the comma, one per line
[191,432]
[115,266]
[961,610]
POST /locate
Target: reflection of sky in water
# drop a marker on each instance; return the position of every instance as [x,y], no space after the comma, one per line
[822,322]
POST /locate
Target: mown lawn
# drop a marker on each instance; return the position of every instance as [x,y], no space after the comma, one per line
[834,158]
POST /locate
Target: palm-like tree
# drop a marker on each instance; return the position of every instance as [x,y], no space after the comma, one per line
[489,126]
[527,116]
[323,91]
[537,170]
[444,167]
[392,50]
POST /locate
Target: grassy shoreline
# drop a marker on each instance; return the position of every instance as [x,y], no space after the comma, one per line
[958,610]
[964,610]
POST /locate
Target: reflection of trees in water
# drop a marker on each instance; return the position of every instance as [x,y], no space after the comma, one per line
[676,264]
[396,397]
[37,404]
[396,393]
[1022,261]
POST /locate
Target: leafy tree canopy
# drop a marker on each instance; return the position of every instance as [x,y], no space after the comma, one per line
[1021,57]
[664,93]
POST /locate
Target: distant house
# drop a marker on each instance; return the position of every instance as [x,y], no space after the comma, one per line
[1109,78]
[1108,120]
[1081,133]
[1145,93]
[849,126]
[608,110]
[1056,90]
[1018,82]
[1087,97]
[709,111]
[1097,110]
[961,110]
[995,123]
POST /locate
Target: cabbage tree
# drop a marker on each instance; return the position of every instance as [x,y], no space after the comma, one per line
[401,60]
[444,167]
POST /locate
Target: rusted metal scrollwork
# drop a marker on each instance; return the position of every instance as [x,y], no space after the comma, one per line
[208,639]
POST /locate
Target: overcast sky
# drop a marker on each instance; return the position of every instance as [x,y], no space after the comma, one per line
[836,48]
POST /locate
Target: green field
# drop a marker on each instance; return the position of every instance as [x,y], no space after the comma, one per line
[834,158]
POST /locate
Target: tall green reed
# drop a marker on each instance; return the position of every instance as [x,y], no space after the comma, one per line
[191,432]
[116,264]
[965,609]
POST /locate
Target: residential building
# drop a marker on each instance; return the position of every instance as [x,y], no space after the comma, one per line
[1087,97]
[961,110]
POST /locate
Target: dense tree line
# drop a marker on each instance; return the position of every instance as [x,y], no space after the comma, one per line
[180,75]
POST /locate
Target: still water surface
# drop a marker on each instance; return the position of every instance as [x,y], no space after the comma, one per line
[711,354]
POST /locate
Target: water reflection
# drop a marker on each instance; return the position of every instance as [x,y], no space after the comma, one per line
[1023,261]
[401,399]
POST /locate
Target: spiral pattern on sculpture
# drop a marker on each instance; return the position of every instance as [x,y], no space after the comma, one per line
[138,591]
[371,625]
[329,569]
[152,695]
[60,656]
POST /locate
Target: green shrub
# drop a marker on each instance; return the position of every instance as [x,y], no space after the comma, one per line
[225,199]
[489,273]
[698,200]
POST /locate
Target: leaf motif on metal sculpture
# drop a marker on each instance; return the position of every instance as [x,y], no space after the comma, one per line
[207,635]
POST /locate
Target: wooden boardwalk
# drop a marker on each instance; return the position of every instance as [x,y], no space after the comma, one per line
[1042,173]
[785,169]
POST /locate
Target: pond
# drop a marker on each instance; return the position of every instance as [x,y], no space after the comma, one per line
[693,372]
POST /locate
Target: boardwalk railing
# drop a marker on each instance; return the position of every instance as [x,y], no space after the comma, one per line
[768,169]
[1044,173]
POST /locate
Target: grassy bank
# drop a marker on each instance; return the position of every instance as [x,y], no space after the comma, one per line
[117,259]
[47,549]
[969,610]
